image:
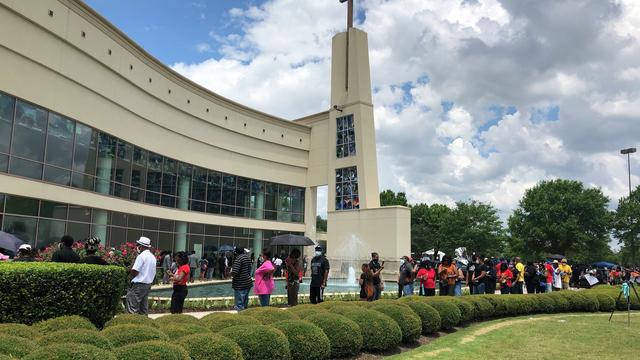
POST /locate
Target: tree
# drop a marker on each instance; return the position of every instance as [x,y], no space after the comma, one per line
[430,228]
[476,226]
[626,226]
[561,216]
[389,198]
[321,224]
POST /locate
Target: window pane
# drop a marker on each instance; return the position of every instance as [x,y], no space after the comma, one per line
[169,178]
[120,190]
[117,236]
[4,163]
[214,187]
[123,163]
[2,202]
[105,163]
[196,228]
[57,175]
[29,132]
[199,184]
[85,150]
[7,104]
[229,190]
[53,210]
[79,231]
[168,201]
[136,194]
[139,168]
[49,232]
[154,173]
[79,213]
[118,219]
[60,141]
[152,198]
[133,235]
[21,205]
[151,223]
[213,208]
[198,206]
[82,181]
[165,241]
[24,228]
[135,221]
[26,168]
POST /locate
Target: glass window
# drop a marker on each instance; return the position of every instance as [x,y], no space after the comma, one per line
[212,243]
[166,225]
[57,175]
[165,241]
[7,104]
[152,198]
[79,213]
[1,203]
[243,195]
[49,232]
[212,229]
[24,228]
[106,163]
[21,205]
[82,181]
[199,184]
[134,235]
[169,177]
[123,163]
[151,223]
[118,219]
[271,192]
[137,194]
[199,206]
[79,231]
[85,150]
[168,201]
[117,236]
[213,208]
[196,243]
[347,189]
[345,136]
[4,163]
[228,190]
[29,132]
[214,187]
[53,210]
[60,141]
[120,190]
[154,173]
[135,221]
[139,169]
[196,228]
[26,168]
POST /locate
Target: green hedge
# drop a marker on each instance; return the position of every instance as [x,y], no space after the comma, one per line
[69,351]
[176,331]
[218,321]
[449,313]
[306,341]
[15,346]
[92,291]
[19,330]
[484,309]
[379,331]
[259,342]
[268,315]
[306,310]
[71,322]
[210,347]
[77,336]
[121,335]
[467,310]
[344,335]
[172,319]
[156,350]
[409,322]
[135,319]
[429,316]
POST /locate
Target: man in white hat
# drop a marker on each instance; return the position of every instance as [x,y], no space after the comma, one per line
[142,275]
[24,253]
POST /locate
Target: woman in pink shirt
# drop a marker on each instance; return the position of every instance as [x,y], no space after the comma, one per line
[264,279]
[427,277]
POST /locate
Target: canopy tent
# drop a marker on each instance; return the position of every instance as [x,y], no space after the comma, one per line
[603,264]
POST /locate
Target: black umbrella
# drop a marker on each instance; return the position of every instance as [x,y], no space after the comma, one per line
[226,248]
[9,242]
[290,239]
[556,257]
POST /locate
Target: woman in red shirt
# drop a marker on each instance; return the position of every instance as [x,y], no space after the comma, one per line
[506,279]
[427,277]
[179,280]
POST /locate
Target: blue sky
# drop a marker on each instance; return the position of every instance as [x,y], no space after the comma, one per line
[170,29]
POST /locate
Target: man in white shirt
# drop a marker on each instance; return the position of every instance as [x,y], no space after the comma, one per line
[142,275]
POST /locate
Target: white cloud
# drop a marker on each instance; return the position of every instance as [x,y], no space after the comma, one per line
[476,56]
[203,47]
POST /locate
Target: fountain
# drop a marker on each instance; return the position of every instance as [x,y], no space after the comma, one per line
[351,276]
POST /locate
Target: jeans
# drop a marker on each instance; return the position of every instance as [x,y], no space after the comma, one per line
[241,299]
[549,288]
[316,294]
[457,291]
[177,298]
[479,289]
[377,291]
[407,289]
[264,299]
[138,298]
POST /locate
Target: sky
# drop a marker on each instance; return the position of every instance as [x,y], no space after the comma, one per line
[473,99]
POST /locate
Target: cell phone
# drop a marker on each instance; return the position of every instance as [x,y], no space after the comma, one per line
[383,263]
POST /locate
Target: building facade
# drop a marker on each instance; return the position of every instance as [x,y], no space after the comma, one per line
[97,137]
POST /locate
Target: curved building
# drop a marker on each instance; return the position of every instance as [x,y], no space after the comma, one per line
[97,137]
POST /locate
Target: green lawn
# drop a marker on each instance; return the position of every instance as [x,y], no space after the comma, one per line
[565,336]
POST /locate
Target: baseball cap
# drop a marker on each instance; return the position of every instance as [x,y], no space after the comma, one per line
[555,261]
[25,247]
[144,241]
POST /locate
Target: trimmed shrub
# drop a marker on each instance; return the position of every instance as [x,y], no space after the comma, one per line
[467,310]
[218,321]
[172,319]
[580,302]
[518,305]
[70,351]
[65,323]
[343,309]
[121,335]
[379,331]
[135,319]
[409,322]
[449,312]
[176,331]
[77,336]
[613,292]
[344,335]
[92,291]
[19,330]
[605,302]
[429,316]
[15,346]
[561,303]
[259,342]
[156,350]
[6,357]
[306,341]
[330,304]
[305,310]
[268,315]
[210,347]
[484,309]
[545,304]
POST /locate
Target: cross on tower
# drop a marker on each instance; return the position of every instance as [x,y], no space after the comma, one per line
[349,13]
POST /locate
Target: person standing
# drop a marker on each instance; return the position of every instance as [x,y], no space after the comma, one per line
[65,253]
[492,276]
[405,276]
[211,270]
[367,291]
[376,269]
[479,276]
[91,247]
[222,266]
[166,266]
[548,272]
[193,264]
[24,254]
[142,275]
[264,279]
[241,278]
[319,275]
[565,273]
[506,279]
[179,280]
[204,266]
[294,269]
[426,277]
[531,277]
[519,275]
[447,273]
[277,262]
